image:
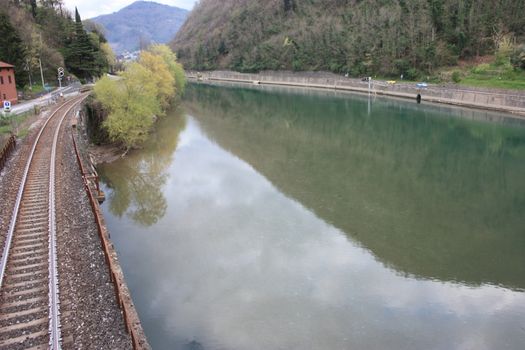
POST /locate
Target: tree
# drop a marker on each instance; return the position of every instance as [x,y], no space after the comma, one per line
[288,5]
[80,54]
[109,54]
[132,103]
[144,90]
[33,8]
[12,49]
[176,69]
[160,76]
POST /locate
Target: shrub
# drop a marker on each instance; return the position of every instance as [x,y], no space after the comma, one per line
[401,65]
[504,49]
[456,77]
[412,74]
[481,68]
[518,57]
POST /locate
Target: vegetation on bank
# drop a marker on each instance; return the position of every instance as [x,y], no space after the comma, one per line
[17,124]
[44,33]
[390,38]
[138,95]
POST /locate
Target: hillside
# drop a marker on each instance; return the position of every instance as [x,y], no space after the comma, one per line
[385,37]
[142,21]
[38,37]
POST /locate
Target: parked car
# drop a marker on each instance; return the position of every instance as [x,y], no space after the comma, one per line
[422,85]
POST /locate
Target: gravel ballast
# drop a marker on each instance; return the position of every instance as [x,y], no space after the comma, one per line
[92,318]
[90,315]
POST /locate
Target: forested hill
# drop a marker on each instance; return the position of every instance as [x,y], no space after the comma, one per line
[142,21]
[387,37]
[37,37]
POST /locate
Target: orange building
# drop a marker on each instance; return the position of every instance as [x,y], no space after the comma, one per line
[7,84]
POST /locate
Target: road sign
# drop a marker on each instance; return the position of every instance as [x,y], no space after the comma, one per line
[7,106]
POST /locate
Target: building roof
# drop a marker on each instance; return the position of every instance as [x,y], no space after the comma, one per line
[6,65]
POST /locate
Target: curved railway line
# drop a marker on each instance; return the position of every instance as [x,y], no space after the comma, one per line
[29,295]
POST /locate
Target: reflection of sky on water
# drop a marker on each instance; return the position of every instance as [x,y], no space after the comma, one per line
[235,264]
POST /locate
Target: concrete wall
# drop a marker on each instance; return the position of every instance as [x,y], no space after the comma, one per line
[499,100]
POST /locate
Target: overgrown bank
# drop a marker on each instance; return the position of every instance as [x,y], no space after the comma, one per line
[125,107]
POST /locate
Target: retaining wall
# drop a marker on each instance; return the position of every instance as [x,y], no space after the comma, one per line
[498,100]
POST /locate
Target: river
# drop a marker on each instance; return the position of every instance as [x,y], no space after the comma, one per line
[273,218]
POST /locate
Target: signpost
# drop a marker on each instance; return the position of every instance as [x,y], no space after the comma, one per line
[60,76]
[7,106]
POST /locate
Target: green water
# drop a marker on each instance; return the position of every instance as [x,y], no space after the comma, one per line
[288,219]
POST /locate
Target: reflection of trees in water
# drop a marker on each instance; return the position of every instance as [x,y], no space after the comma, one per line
[137,193]
[137,180]
[431,195]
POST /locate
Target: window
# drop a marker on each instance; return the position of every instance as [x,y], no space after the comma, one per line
[9,78]
[5,97]
[1,80]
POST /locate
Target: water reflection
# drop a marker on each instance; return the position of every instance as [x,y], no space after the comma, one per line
[431,195]
[136,181]
[236,264]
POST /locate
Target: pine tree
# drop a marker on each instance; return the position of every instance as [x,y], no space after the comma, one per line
[79,56]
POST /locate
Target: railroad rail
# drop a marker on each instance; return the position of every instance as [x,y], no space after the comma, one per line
[30,307]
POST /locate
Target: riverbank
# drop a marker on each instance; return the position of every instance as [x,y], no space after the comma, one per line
[507,101]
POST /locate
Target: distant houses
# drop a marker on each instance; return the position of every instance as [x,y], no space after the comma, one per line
[128,56]
[7,83]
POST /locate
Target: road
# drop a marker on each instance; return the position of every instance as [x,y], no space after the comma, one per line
[43,100]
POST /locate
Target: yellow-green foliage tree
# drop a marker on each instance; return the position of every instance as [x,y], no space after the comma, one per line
[131,103]
[176,69]
[139,94]
[161,75]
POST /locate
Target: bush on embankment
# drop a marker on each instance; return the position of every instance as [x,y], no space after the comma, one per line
[140,94]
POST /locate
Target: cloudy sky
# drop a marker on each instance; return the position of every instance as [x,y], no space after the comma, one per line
[92,8]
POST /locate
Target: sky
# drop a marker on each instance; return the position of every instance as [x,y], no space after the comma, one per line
[93,8]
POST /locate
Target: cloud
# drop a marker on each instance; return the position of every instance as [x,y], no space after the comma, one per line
[93,8]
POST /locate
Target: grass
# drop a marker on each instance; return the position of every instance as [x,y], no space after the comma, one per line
[493,76]
[493,82]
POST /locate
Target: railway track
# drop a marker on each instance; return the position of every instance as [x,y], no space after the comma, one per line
[29,295]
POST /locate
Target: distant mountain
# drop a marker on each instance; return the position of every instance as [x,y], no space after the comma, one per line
[144,21]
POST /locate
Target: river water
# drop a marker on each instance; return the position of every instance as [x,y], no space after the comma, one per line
[260,218]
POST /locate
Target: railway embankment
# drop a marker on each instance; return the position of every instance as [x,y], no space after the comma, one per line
[95,305]
[508,101]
